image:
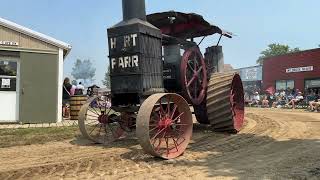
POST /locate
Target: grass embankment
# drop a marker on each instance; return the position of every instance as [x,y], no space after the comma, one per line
[20,137]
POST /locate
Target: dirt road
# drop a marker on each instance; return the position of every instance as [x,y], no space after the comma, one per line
[274,144]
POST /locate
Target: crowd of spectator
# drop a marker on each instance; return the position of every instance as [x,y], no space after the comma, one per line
[309,100]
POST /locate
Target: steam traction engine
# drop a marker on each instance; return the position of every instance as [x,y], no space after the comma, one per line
[157,71]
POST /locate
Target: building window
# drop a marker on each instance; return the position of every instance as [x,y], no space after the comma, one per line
[8,75]
[284,84]
[313,83]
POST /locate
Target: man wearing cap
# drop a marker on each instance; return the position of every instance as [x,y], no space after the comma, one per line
[255,99]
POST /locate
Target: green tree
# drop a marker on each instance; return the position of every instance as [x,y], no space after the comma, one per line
[106,80]
[83,70]
[275,50]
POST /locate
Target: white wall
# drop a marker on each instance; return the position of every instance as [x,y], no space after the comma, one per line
[60,85]
[8,106]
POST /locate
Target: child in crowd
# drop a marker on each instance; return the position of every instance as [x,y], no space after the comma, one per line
[265,102]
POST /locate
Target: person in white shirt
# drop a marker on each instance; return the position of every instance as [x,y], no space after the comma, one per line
[255,99]
[79,89]
[296,100]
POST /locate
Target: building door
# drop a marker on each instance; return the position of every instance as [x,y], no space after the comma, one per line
[9,87]
[39,92]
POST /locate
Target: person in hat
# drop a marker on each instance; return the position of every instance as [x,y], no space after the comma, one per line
[255,99]
[296,100]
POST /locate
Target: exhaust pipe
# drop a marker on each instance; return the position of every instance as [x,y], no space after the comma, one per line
[134,9]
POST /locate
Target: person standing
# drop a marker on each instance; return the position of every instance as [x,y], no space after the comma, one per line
[66,97]
[79,89]
[74,87]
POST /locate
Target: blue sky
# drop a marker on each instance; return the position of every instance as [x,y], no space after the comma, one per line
[83,24]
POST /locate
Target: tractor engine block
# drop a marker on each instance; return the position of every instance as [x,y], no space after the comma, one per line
[135,57]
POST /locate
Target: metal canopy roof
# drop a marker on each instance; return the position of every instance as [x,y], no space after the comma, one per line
[184,25]
[36,35]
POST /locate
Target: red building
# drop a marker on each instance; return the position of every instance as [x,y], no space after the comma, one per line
[300,70]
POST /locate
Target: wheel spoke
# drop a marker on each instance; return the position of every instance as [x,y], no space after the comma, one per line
[93,112]
[108,112]
[191,81]
[153,129]
[100,129]
[159,132]
[180,136]
[199,70]
[175,144]
[158,148]
[99,106]
[167,144]
[178,116]
[93,129]
[162,113]
[182,124]
[168,107]
[195,90]
[93,122]
[195,62]
[96,110]
[92,115]
[189,65]
[174,111]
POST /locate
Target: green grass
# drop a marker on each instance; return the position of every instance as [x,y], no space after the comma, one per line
[21,137]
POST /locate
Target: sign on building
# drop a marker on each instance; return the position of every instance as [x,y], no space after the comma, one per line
[251,73]
[9,43]
[299,69]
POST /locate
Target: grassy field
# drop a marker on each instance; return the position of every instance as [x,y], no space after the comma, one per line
[28,136]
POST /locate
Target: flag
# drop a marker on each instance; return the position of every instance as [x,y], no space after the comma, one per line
[271,90]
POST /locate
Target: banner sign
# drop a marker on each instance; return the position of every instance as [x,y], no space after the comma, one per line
[299,69]
[251,73]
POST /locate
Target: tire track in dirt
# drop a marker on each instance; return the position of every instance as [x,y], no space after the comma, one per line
[262,148]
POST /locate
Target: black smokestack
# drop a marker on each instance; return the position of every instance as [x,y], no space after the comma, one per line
[134,9]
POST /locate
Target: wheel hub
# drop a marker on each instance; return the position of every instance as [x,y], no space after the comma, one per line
[103,119]
[165,123]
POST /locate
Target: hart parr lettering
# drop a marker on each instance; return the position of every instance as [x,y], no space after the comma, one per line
[125,62]
[128,41]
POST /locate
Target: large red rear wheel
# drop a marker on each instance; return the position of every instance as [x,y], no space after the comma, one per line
[237,102]
[225,102]
[164,125]
[194,76]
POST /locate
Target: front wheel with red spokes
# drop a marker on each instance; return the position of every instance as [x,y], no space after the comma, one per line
[164,125]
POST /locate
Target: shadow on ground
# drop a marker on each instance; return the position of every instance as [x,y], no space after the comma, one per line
[241,156]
